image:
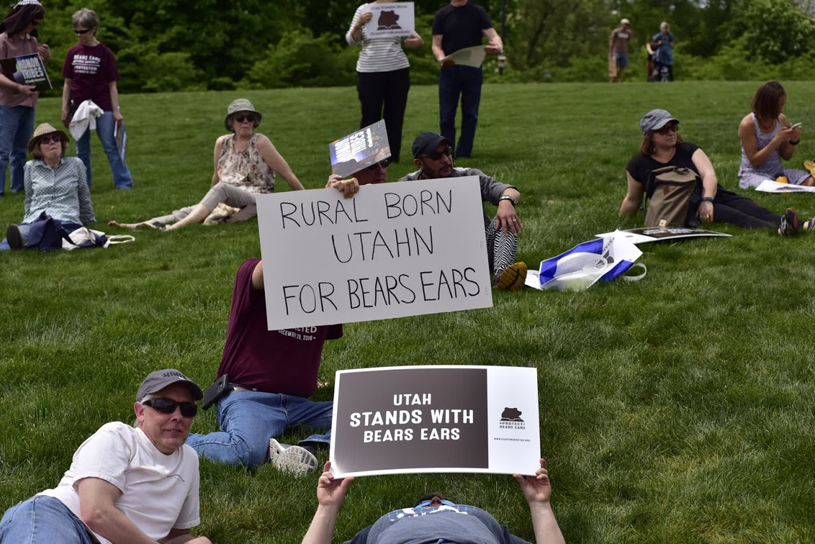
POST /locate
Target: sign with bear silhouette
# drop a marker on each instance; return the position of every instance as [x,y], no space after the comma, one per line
[409,419]
[390,20]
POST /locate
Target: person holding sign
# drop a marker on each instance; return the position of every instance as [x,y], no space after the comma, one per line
[18,36]
[432,153]
[436,519]
[459,25]
[374,174]
[383,73]
[263,385]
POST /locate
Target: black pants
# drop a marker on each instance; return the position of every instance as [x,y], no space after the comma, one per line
[390,89]
[729,207]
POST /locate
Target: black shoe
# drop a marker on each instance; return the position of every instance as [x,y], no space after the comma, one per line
[15,239]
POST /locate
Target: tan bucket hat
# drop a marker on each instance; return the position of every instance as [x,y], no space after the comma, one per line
[44,130]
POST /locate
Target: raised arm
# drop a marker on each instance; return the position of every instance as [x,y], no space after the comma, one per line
[330,494]
[277,163]
[537,491]
[633,198]
[97,499]
[361,18]
[794,135]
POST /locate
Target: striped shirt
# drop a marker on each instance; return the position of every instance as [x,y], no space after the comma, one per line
[378,54]
[60,192]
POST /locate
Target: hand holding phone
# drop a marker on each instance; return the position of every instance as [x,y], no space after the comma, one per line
[796,125]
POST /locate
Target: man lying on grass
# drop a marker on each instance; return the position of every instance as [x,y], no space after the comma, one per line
[126,484]
[433,156]
[435,519]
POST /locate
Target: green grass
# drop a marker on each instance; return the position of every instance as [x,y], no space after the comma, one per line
[674,409]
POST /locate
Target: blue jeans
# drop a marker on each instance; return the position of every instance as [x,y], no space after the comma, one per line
[25,227]
[16,128]
[249,419]
[42,520]
[104,128]
[466,81]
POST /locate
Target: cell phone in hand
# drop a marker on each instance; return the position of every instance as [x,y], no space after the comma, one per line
[796,125]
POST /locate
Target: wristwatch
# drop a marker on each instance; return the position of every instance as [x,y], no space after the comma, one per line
[507,197]
[707,199]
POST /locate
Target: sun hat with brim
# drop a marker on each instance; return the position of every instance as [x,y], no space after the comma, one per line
[44,130]
[655,120]
[241,104]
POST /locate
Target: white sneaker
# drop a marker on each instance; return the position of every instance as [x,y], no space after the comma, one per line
[294,459]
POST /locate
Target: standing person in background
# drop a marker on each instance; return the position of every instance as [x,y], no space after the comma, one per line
[663,44]
[18,36]
[459,25]
[618,48]
[383,76]
[90,74]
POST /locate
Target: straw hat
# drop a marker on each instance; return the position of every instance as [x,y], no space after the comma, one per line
[44,130]
[241,104]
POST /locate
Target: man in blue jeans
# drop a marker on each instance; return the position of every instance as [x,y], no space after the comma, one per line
[270,375]
[459,25]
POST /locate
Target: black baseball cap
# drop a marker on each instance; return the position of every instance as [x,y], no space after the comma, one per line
[158,380]
[427,142]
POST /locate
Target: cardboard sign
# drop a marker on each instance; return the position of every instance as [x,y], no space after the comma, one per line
[435,419]
[390,20]
[27,70]
[656,234]
[359,149]
[393,250]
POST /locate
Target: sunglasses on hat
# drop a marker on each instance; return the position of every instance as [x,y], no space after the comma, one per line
[168,406]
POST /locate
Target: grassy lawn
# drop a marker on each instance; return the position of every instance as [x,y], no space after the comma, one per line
[674,409]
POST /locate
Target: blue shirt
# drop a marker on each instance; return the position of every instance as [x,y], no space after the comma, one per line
[60,192]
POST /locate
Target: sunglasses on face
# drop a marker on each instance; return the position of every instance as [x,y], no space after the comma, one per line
[436,155]
[423,504]
[45,140]
[168,406]
[242,118]
[77,31]
[668,128]
[383,164]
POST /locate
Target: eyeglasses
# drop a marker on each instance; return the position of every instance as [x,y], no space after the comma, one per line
[242,118]
[424,504]
[48,139]
[436,155]
[168,406]
[374,166]
[673,127]
[77,31]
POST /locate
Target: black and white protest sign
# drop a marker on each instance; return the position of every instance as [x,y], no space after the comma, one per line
[390,20]
[359,149]
[393,250]
[435,419]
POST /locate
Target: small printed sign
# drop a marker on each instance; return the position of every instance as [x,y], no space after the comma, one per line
[435,419]
[391,20]
[656,234]
[359,149]
[26,70]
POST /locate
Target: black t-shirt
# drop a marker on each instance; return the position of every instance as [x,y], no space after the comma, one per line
[640,166]
[460,26]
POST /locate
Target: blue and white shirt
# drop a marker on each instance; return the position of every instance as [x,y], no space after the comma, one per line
[60,192]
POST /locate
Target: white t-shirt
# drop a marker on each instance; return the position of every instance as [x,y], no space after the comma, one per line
[159,492]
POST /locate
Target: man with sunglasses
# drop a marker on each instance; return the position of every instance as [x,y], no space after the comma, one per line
[126,484]
[436,519]
[434,157]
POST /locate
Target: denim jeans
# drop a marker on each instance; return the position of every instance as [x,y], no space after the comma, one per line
[42,520]
[466,81]
[16,128]
[104,128]
[249,419]
[25,227]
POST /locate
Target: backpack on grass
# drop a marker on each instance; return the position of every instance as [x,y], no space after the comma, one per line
[673,187]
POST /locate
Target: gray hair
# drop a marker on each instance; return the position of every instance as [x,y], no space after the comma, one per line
[149,396]
[85,19]
[663,25]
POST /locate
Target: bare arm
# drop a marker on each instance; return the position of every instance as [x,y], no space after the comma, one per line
[114,101]
[330,495]
[436,47]
[277,163]
[496,45]
[793,135]
[415,41]
[633,198]
[97,499]
[219,147]
[257,277]
[66,101]
[537,491]
[705,168]
[354,35]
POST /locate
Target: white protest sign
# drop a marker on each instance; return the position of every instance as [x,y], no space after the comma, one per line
[435,419]
[393,250]
[390,20]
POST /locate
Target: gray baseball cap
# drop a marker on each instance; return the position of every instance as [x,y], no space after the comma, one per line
[655,120]
[241,104]
[158,380]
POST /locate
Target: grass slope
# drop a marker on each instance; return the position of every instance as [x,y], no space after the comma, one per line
[674,409]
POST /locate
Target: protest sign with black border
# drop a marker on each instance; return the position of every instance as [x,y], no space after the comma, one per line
[412,419]
[391,20]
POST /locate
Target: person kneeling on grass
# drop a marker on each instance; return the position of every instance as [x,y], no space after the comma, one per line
[435,519]
[433,156]
[125,484]
[663,146]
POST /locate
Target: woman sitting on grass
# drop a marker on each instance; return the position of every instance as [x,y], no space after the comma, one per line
[54,185]
[663,146]
[766,138]
[245,166]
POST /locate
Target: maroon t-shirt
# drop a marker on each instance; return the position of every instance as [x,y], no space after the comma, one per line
[285,361]
[91,70]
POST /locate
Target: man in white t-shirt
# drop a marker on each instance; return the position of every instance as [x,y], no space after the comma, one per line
[126,484]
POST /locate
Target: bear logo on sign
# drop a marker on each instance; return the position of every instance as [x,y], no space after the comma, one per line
[511,414]
[387,20]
